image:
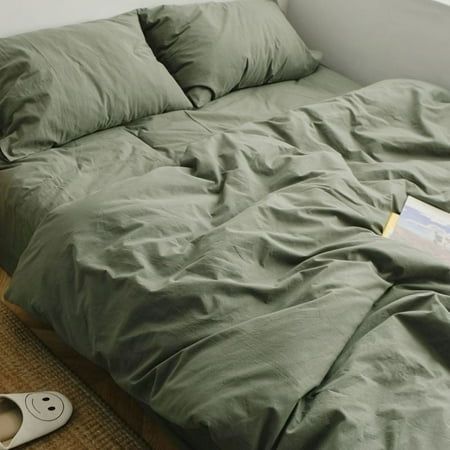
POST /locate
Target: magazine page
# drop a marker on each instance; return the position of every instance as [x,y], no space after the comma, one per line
[424,227]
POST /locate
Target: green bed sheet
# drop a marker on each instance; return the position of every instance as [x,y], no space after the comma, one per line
[241,287]
[31,189]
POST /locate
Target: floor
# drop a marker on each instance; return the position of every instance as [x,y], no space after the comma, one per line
[149,427]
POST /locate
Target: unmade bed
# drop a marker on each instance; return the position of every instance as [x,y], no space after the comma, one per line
[225,264]
[31,189]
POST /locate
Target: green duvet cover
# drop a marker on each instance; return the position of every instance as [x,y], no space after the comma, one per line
[240,286]
[30,189]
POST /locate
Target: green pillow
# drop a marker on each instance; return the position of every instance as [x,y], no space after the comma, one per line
[214,48]
[60,84]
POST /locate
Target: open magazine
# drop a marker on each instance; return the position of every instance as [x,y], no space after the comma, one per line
[423,226]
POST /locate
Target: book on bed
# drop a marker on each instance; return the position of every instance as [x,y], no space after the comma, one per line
[423,226]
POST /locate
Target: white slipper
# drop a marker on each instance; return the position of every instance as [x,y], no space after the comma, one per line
[28,416]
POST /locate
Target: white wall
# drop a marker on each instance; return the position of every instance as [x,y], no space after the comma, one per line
[370,40]
[18,16]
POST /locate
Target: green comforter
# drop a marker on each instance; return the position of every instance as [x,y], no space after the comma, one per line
[244,292]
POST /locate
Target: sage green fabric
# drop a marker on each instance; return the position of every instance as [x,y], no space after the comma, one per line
[60,84]
[31,188]
[214,48]
[242,288]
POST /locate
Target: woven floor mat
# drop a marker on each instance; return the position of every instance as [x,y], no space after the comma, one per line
[26,365]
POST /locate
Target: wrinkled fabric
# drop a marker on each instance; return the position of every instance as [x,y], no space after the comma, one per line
[60,84]
[31,188]
[244,291]
[216,47]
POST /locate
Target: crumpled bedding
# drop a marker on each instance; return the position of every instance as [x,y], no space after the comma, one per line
[30,189]
[244,292]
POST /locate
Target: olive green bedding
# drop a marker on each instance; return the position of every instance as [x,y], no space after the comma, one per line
[60,84]
[214,48]
[233,277]
[31,188]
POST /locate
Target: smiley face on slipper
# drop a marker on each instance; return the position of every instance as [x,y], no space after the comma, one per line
[28,416]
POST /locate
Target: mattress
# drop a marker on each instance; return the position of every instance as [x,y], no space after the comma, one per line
[31,189]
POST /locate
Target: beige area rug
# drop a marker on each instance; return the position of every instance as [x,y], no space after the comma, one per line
[26,365]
